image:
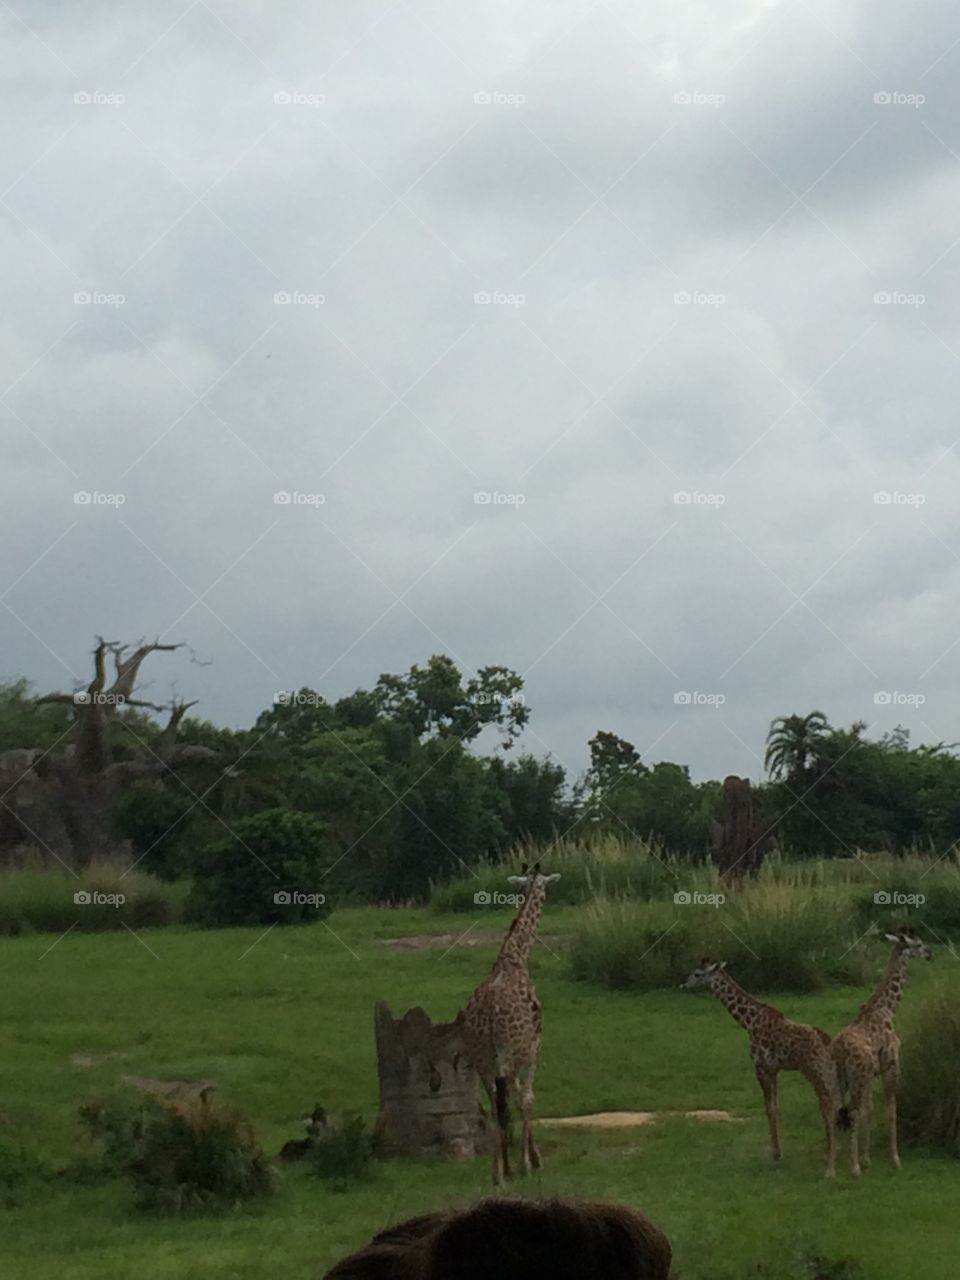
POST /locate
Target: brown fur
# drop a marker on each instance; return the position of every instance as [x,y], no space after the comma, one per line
[870,1047]
[502,1027]
[778,1044]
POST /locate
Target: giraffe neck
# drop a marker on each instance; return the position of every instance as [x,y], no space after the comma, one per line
[889,990]
[520,935]
[741,1006]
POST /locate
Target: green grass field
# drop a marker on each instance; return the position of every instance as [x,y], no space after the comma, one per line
[282,1020]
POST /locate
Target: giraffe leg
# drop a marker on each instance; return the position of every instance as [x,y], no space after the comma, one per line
[866,1127]
[501,1166]
[859,1103]
[501,1102]
[768,1084]
[890,1102]
[826,1097]
[531,1152]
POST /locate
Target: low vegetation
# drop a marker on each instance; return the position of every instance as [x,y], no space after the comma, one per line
[930,1087]
[278,1020]
[195,1156]
[98,899]
[345,1153]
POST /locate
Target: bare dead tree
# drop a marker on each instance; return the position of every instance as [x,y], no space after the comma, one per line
[62,799]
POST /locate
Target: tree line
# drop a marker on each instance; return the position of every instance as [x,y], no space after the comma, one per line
[410,781]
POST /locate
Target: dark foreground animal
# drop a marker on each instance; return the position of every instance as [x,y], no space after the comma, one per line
[561,1239]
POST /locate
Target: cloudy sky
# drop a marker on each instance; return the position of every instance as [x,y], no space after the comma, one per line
[672,286]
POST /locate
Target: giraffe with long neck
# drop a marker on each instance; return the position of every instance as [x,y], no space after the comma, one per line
[503,1023]
[869,1047]
[777,1044]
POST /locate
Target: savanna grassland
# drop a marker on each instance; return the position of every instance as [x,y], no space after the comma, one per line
[281,1018]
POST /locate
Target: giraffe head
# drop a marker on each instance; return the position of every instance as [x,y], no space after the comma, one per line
[533,876]
[908,945]
[704,974]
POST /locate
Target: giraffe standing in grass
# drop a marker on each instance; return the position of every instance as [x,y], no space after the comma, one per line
[778,1044]
[503,1024]
[869,1047]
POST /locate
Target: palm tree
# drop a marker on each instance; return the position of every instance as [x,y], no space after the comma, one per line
[792,744]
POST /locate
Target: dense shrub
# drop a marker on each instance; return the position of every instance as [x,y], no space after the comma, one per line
[345,1153]
[53,901]
[929,1098]
[181,1158]
[267,870]
[773,939]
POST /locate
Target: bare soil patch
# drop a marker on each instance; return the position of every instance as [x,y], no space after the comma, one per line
[169,1088]
[629,1119]
[87,1060]
[445,941]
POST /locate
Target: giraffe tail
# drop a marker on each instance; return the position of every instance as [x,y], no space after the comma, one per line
[503,1109]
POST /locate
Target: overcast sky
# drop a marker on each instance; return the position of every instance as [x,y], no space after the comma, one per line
[720,243]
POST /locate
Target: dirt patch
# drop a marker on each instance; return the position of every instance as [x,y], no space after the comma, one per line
[446,941]
[629,1119]
[169,1088]
[87,1060]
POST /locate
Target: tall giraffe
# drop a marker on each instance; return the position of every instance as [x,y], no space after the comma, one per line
[777,1044]
[869,1047]
[503,1022]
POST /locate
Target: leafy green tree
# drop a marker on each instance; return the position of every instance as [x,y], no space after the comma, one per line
[24,723]
[449,814]
[159,822]
[538,806]
[793,744]
[295,717]
[268,869]
[434,701]
[611,759]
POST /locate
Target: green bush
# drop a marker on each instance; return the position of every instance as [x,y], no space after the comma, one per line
[267,870]
[773,938]
[180,1158]
[929,1095]
[47,901]
[344,1154]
